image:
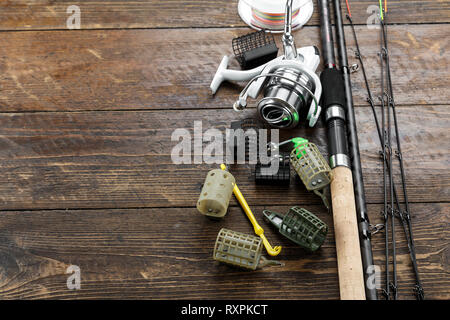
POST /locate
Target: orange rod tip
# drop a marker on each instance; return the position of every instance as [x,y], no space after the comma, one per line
[348,8]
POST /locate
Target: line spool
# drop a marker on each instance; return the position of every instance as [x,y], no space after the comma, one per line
[269,14]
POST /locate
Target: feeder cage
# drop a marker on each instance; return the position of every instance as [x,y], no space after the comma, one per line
[240,250]
[311,166]
[264,174]
[300,226]
[244,132]
[254,49]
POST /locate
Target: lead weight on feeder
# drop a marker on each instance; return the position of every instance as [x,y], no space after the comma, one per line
[300,226]
[240,250]
[216,193]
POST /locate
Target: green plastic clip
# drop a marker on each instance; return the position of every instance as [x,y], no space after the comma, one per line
[300,143]
[241,250]
[300,226]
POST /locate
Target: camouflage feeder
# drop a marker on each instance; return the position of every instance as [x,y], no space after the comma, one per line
[300,226]
[216,193]
[311,167]
[241,250]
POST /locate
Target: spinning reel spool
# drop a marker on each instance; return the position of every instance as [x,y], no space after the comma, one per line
[240,250]
[289,83]
[300,226]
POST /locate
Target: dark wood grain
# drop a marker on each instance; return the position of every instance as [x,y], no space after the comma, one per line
[166,254]
[172,69]
[86,177]
[46,14]
[123,159]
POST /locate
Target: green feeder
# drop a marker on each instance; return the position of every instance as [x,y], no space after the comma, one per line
[300,226]
[311,167]
[241,250]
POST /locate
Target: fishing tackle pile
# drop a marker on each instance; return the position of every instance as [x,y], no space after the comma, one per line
[290,88]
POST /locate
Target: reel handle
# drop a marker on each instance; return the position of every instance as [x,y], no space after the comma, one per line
[225,74]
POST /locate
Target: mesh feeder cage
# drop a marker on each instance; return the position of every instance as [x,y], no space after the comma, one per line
[240,250]
[264,175]
[245,132]
[254,49]
[311,166]
[300,226]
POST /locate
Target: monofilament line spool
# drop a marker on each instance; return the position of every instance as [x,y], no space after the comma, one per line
[269,14]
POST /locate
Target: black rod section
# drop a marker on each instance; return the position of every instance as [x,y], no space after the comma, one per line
[358,183]
[326,35]
[333,98]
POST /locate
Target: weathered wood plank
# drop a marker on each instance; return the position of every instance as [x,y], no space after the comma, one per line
[166,254]
[46,14]
[154,69]
[123,159]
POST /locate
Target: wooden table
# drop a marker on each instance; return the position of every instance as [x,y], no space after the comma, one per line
[86,177]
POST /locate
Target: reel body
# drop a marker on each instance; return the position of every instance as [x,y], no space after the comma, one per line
[290,87]
[289,82]
[284,100]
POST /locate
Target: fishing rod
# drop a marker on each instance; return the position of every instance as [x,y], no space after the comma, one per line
[360,200]
[350,266]
[370,99]
[404,216]
[388,210]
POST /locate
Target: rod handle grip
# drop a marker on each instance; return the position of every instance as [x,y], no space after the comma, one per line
[350,269]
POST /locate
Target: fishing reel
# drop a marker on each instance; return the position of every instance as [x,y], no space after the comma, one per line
[289,83]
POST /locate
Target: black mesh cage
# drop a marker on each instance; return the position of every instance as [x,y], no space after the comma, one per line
[254,49]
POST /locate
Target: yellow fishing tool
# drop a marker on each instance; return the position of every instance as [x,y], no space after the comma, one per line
[258,230]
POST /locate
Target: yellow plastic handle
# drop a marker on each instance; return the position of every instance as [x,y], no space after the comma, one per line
[258,230]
